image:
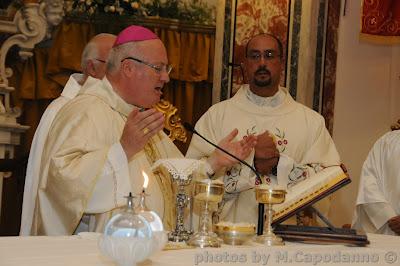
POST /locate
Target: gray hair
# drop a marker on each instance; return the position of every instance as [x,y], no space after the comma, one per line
[118,53]
[90,52]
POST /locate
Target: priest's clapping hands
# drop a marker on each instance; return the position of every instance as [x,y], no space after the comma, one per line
[240,149]
[394,224]
[266,155]
[139,128]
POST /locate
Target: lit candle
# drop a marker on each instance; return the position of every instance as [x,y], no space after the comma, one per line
[142,196]
[146,181]
[151,217]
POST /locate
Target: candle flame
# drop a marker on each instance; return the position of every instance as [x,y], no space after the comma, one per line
[146,180]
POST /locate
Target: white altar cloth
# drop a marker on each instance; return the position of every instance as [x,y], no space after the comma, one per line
[82,250]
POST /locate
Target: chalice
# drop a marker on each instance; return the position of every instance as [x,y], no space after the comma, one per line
[206,192]
[181,172]
[269,196]
[182,200]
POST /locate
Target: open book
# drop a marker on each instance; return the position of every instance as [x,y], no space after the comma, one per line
[310,191]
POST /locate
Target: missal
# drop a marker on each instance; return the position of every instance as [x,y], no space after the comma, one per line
[304,195]
[310,191]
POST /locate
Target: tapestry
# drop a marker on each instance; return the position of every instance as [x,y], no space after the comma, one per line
[380,21]
[254,17]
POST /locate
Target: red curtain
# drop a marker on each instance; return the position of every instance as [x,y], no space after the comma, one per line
[380,21]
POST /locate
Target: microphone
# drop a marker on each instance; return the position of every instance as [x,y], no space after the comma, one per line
[260,224]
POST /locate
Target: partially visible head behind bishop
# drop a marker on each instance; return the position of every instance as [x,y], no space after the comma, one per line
[95,55]
[138,66]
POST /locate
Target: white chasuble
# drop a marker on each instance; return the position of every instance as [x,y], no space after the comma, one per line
[85,171]
[300,135]
[378,197]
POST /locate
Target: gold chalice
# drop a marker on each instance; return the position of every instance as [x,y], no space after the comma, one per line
[269,196]
[206,191]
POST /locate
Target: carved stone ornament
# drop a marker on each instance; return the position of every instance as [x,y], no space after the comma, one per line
[31,25]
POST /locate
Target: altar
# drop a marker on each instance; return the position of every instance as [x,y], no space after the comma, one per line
[82,250]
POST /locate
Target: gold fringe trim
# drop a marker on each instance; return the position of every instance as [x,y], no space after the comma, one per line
[378,39]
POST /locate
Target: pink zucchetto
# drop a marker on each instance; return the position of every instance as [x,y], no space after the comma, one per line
[134,34]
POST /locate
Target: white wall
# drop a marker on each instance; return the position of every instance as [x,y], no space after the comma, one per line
[367,102]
